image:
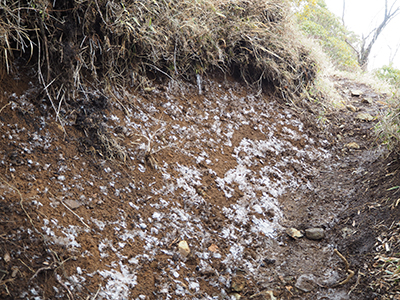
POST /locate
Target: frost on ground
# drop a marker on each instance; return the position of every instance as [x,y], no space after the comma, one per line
[209,169]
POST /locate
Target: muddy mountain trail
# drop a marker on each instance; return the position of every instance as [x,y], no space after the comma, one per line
[192,191]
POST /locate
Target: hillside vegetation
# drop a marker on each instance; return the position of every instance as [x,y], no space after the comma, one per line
[75,46]
[165,149]
[118,43]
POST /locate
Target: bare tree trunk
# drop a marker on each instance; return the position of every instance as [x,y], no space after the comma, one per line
[365,50]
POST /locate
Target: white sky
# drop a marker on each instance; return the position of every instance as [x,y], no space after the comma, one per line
[362,16]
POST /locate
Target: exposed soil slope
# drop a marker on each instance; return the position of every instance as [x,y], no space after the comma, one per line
[97,208]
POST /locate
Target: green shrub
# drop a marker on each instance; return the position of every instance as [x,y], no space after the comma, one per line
[390,74]
[388,129]
[319,23]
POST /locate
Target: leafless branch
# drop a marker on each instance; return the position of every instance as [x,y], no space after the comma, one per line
[390,13]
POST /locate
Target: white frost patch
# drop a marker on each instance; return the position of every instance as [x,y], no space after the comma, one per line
[119,283]
[236,253]
[261,225]
[194,286]
[71,233]
[99,223]
[258,170]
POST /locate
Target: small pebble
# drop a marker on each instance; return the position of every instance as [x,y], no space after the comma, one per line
[73,204]
[183,248]
[356,93]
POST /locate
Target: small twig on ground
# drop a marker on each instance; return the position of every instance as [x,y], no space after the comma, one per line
[6,281]
[80,218]
[343,258]
[50,267]
[351,273]
[173,242]
[97,293]
[357,283]
[149,151]
[5,106]
[5,285]
[120,103]
[30,269]
[70,295]
[21,203]
[161,71]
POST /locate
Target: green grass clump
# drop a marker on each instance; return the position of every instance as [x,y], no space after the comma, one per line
[390,74]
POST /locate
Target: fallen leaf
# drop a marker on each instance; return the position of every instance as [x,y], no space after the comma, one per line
[294,233]
[213,248]
[352,145]
[15,271]
[7,257]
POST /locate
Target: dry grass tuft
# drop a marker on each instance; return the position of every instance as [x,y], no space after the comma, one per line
[388,128]
[127,42]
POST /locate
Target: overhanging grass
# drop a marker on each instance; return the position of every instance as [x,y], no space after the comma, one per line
[123,42]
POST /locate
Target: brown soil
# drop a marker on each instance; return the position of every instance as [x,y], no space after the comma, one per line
[96,208]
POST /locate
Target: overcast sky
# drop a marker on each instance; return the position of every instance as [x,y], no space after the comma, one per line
[362,16]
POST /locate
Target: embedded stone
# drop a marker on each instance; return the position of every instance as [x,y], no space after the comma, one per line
[73,204]
[238,283]
[315,233]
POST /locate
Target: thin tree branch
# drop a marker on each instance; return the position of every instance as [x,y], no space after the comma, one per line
[344,8]
[365,51]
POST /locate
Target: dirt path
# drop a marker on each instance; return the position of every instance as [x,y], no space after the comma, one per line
[101,210]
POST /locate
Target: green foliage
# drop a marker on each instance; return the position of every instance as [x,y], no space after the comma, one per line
[388,129]
[319,23]
[389,74]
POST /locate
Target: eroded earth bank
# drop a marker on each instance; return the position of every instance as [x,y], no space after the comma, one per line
[96,203]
